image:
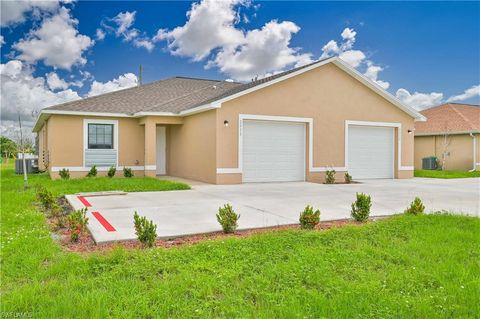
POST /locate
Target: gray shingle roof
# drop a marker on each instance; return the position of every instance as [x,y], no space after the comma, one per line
[170,95]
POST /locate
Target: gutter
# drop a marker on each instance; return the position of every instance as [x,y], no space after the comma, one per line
[474,156]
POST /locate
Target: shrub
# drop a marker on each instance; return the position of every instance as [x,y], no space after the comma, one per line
[77,223]
[55,210]
[416,207]
[348,178]
[64,173]
[309,218]
[228,218]
[92,172]
[46,198]
[361,207]
[330,176]
[145,230]
[111,171]
[127,172]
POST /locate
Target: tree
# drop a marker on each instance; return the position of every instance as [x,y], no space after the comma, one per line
[8,148]
[445,147]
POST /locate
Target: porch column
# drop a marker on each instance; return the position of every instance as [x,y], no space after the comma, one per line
[150,148]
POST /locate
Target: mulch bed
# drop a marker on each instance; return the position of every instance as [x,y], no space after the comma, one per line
[86,244]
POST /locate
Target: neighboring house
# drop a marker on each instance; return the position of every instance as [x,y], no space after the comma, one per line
[290,126]
[452,134]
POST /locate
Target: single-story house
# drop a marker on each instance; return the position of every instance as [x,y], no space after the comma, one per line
[291,126]
[452,134]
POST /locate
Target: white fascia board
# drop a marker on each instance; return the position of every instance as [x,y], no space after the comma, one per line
[141,114]
[40,121]
[103,114]
[447,133]
[379,90]
[201,108]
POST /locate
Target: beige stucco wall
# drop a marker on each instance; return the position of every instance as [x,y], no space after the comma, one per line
[65,142]
[43,148]
[191,148]
[329,96]
[459,146]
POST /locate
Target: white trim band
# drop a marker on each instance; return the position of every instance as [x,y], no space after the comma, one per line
[100,169]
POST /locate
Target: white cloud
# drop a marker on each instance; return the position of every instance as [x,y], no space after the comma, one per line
[467,94]
[2,41]
[124,29]
[240,54]
[143,43]
[56,42]
[344,51]
[329,49]
[263,51]
[12,12]
[122,82]
[349,36]
[124,20]
[372,74]
[100,34]
[22,93]
[419,100]
[356,58]
[352,57]
[210,25]
[54,82]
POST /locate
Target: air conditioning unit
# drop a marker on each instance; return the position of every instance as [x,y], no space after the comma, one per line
[30,163]
[430,163]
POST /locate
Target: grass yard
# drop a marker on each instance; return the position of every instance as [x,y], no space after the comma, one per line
[446,174]
[402,267]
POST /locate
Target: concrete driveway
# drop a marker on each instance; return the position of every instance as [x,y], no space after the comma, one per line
[179,213]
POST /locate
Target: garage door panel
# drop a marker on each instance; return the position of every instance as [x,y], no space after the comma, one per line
[273,151]
[370,152]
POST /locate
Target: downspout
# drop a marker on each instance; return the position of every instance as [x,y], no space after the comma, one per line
[474,139]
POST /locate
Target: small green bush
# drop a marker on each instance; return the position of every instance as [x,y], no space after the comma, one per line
[127,172]
[361,207]
[92,172]
[64,173]
[111,171]
[309,218]
[416,207]
[330,176]
[348,178]
[228,218]
[77,223]
[46,198]
[145,230]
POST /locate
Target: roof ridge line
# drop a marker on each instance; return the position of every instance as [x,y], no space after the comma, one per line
[179,97]
[466,119]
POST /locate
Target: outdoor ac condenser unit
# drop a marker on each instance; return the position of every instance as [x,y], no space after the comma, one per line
[429,163]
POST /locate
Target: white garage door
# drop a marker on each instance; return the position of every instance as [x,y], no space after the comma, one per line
[273,151]
[370,152]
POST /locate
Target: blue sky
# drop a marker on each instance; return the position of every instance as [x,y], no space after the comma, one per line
[425,53]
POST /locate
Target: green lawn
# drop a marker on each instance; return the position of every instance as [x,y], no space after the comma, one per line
[446,174]
[402,267]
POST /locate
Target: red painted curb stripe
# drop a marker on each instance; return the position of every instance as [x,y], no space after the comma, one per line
[103,221]
[84,201]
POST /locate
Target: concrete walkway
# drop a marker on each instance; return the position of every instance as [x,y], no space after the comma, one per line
[179,213]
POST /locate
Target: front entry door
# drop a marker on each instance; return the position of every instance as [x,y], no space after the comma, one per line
[161,150]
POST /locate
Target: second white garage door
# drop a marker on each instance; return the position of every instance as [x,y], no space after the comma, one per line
[370,152]
[273,151]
